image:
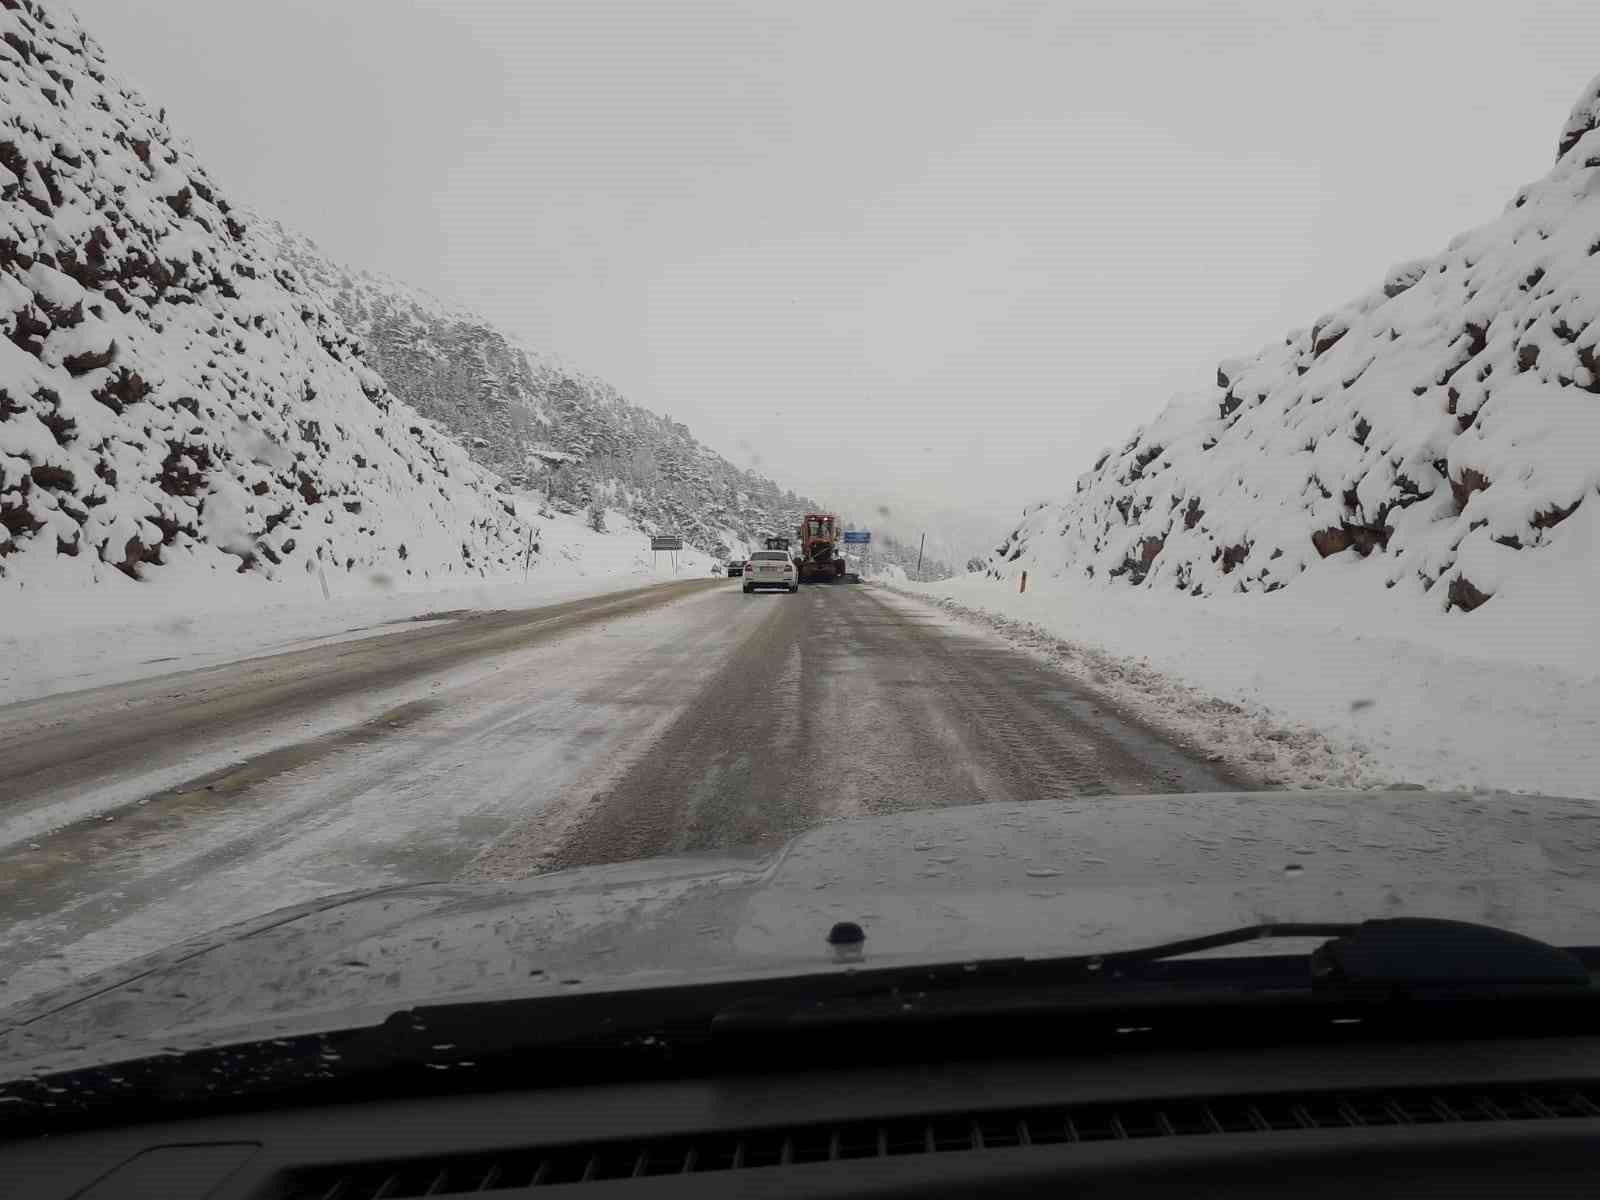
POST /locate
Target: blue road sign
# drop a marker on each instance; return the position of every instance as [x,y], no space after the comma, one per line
[856,536]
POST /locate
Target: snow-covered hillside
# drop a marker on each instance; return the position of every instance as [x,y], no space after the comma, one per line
[1437,435]
[542,424]
[174,402]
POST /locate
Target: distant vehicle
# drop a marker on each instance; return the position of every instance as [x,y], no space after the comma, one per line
[735,568]
[776,543]
[771,568]
[820,558]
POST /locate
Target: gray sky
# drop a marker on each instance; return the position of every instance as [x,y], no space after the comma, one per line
[938,251]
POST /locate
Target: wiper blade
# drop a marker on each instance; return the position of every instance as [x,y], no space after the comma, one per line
[1276,930]
[1371,959]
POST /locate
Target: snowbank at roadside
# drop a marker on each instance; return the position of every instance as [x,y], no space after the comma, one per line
[72,640]
[1508,701]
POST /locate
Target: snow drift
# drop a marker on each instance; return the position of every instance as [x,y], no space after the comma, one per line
[1439,434]
[173,399]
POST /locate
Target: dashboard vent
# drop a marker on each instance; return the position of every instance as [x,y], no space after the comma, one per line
[1009,1129]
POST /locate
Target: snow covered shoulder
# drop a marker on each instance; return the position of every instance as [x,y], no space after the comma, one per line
[1386,525]
[1309,695]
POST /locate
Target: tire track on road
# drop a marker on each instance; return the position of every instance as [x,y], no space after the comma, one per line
[52,747]
[411,793]
[842,704]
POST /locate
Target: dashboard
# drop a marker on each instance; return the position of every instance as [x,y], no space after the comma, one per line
[1467,1119]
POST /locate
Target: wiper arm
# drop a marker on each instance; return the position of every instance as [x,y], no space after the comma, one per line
[1409,951]
[1386,959]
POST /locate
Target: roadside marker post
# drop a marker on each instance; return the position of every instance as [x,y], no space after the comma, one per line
[1024,586]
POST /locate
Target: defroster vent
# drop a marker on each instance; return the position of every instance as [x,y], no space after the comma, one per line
[1004,1130]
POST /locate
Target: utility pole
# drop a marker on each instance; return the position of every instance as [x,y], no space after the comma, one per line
[920,545]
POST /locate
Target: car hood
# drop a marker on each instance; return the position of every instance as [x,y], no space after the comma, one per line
[970,882]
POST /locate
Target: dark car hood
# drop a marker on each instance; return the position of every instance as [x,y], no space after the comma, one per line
[1046,878]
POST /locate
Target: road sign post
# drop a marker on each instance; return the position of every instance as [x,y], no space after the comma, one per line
[669,542]
[857,537]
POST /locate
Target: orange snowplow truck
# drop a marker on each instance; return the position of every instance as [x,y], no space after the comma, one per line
[820,554]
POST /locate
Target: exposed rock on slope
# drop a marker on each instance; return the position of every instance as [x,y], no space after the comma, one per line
[1445,428]
[541,424]
[171,396]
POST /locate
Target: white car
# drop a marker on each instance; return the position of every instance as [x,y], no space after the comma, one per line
[770,568]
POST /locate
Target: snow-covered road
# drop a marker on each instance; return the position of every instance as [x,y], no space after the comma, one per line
[495,744]
[139,814]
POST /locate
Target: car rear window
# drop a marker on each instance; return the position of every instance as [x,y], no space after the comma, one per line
[770,555]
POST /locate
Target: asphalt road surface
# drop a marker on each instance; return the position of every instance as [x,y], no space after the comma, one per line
[671,719]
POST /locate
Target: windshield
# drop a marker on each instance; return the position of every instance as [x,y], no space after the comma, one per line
[1183,477]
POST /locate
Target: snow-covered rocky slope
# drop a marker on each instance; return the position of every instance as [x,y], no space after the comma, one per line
[1439,434]
[175,401]
[541,424]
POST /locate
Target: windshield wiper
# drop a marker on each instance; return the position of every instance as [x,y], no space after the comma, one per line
[1410,951]
[1378,960]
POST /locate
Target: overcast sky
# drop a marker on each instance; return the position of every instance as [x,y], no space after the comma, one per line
[940,251]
